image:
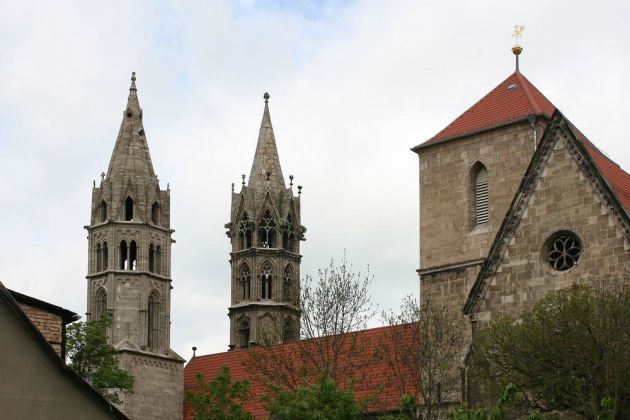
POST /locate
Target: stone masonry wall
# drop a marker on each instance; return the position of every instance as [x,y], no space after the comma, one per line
[447,231]
[158,389]
[564,199]
[50,325]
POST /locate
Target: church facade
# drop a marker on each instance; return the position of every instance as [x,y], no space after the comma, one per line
[129,271]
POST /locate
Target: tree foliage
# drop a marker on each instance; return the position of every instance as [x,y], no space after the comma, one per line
[220,398]
[424,350]
[322,400]
[92,358]
[332,310]
[568,354]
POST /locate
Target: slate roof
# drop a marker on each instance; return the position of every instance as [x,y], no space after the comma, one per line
[370,371]
[513,100]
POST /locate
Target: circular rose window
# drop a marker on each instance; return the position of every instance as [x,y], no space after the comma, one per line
[563,251]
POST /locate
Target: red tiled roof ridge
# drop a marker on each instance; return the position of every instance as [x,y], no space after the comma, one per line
[512,100]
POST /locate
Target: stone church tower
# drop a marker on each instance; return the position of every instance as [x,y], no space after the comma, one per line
[129,271]
[265,233]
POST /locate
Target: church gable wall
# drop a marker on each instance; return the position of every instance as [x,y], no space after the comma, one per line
[563,200]
[448,233]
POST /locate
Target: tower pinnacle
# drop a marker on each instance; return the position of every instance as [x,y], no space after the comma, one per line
[266,170]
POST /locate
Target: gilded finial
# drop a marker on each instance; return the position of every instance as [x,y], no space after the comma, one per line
[517,49]
[266,96]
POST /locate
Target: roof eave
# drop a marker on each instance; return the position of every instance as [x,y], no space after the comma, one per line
[426,144]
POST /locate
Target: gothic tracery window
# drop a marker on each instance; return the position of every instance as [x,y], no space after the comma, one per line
[287,289]
[103,211]
[288,236]
[100,303]
[267,231]
[243,332]
[153,320]
[122,255]
[265,281]
[155,213]
[245,282]
[245,232]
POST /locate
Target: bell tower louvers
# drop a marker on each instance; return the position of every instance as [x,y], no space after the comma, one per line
[265,233]
[129,270]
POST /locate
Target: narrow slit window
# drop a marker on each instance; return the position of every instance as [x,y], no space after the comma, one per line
[99,257]
[129,209]
[103,211]
[122,254]
[155,213]
[153,321]
[151,258]
[105,256]
[133,256]
[481,196]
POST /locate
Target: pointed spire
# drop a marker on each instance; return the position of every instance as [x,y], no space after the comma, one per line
[131,153]
[266,170]
[133,104]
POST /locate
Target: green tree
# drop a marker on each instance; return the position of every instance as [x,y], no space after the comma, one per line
[322,400]
[221,398]
[568,354]
[92,358]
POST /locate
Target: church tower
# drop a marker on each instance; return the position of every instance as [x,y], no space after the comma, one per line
[129,271]
[265,233]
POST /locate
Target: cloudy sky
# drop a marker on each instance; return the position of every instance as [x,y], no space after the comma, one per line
[354,85]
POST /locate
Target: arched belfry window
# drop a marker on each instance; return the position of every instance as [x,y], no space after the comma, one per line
[245,232]
[155,213]
[99,257]
[100,303]
[243,332]
[103,211]
[151,258]
[105,256]
[153,320]
[122,256]
[158,259]
[129,209]
[289,235]
[481,195]
[245,278]
[133,256]
[265,281]
[267,231]
[287,286]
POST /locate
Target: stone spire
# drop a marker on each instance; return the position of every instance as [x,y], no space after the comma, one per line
[266,170]
[131,156]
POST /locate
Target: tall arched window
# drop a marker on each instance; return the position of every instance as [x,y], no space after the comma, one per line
[287,290]
[99,257]
[103,211]
[245,281]
[155,213]
[122,255]
[245,232]
[158,259]
[265,281]
[288,235]
[151,258]
[481,196]
[129,209]
[243,332]
[133,256]
[100,303]
[267,231]
[153,321]
[105,256]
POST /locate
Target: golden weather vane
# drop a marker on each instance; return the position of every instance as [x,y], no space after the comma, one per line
[518,32]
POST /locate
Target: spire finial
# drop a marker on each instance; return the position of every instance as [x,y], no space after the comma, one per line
[266,96]
[243,181]
[133,81]
[291,180]
[517,49]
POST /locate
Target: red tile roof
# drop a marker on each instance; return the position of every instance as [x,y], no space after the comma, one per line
[368,367]
[514,99]
[617,178]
